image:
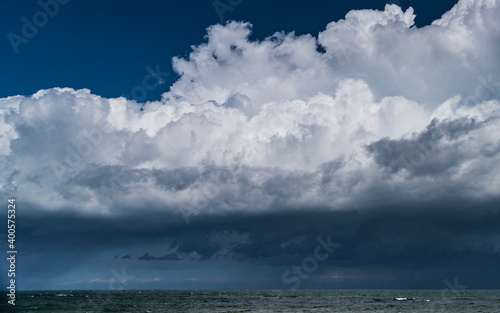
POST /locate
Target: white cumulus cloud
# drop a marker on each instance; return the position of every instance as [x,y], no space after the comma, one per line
[385,109]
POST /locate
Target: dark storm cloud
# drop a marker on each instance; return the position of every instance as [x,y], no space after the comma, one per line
[426,153]
[118,177]
[450,237]
[169,257]
[409,234]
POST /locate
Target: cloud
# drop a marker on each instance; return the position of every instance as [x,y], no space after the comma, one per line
[99,281]
[293,241]
[373,113]
[253,125]
[356,275]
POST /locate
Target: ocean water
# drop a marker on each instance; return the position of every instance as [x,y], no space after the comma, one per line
[288,301]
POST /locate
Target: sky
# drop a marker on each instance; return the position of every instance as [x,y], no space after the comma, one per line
[105,46]
[238,144]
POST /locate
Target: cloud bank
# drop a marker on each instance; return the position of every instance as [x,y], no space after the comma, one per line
[371,113]
[254,125]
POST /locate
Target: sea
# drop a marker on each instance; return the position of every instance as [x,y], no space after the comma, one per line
[374,301]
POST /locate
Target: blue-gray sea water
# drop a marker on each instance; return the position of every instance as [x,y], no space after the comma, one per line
[374,301]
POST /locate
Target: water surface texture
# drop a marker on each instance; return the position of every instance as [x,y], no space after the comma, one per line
[375,301]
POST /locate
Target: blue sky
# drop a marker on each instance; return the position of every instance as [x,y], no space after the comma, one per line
[106,46]
[275,145]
